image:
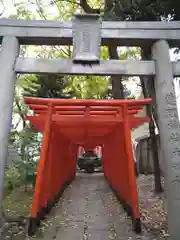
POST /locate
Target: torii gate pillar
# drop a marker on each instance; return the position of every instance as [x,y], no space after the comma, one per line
[169,129]
[8,55]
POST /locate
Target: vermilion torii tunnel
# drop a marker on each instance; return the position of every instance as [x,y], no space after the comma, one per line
[68,124]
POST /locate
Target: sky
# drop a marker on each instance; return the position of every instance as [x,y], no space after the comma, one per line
[8,4]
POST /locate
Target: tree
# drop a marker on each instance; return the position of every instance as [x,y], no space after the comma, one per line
[46,86]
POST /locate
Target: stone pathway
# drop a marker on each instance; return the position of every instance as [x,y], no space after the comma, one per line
[88,210]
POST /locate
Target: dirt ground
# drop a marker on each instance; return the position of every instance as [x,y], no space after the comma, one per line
[153,208]
[88,210]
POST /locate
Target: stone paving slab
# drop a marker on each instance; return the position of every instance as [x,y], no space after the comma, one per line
[99,235]
[73,231]
[88,210]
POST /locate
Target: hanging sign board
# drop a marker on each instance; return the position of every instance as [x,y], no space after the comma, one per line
[86,38]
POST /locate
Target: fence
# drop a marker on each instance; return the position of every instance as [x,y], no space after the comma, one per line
[144,156]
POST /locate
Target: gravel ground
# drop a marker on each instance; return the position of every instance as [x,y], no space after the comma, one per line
[88,210]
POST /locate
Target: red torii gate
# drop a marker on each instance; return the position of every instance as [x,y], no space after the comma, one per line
[68,124]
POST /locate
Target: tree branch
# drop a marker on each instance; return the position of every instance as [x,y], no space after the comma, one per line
[69,1]
[20,111]
[147,91]
[88,9]
[17,124]
[2,2]
[40,10]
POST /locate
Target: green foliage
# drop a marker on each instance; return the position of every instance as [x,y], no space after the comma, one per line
[27,142]
[27,170]
[20,173]
[12,178]
[22,13]
[47,86]
[142,10]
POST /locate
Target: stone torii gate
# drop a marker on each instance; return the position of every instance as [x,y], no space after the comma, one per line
[87,34]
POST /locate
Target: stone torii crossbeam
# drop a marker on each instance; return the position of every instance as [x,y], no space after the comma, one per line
[158,36]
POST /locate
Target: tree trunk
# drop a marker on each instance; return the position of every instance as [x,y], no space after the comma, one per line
[117,86]
[147,92]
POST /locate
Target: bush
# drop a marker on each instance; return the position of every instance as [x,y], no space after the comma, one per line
[20,173]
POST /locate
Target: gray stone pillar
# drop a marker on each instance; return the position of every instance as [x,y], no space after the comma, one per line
[8,55]
[169,130]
